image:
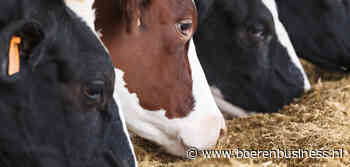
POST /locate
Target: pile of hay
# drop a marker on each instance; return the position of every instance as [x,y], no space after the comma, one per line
[320,120]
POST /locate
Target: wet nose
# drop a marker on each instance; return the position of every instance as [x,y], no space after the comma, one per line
[203,134]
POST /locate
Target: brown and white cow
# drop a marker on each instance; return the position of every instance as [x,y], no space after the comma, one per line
[163,91]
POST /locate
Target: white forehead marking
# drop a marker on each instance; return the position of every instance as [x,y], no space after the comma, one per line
[284,39]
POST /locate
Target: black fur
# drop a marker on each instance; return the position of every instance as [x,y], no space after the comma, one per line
[49,116]
[238,48]
[319,30]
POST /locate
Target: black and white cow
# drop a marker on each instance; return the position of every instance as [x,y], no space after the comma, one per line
[57,109]
[319,30]
[247,56]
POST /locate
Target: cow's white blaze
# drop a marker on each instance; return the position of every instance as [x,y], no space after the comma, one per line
[204,101]
[84,10]
[285,40]
[201,128]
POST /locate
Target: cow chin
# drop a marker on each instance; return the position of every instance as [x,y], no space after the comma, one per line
[176,136]
[201,128]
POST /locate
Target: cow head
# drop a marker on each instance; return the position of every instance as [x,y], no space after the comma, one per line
[319,30]
[165,96]
[247,56]
[56,84]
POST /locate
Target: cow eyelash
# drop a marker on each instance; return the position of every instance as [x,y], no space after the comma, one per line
[185,28]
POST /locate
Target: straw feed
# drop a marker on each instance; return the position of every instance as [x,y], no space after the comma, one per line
[320,120]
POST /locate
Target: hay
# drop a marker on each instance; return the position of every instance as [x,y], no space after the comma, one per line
[320,120]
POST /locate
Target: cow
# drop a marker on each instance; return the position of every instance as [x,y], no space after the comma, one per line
[319,30]
[247,56]
[162,88]
[56,83]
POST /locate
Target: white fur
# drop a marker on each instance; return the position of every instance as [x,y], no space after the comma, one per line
[284,39]
[201,128]
[84,10]
[122,118]
[226,106]
[205,104]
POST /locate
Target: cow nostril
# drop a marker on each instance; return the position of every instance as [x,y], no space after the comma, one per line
[185,146]
[222,133]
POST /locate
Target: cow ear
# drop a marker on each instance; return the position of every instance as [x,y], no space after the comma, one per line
[19,42]
[30,49]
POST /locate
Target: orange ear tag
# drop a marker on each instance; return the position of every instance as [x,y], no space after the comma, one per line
[14,58]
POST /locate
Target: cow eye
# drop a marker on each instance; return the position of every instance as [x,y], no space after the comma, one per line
[185,28]
[94,90]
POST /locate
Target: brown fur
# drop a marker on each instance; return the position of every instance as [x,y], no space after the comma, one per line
[152,55]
